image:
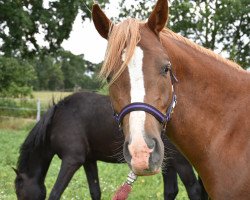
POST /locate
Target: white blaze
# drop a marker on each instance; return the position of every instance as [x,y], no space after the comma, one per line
[137,93]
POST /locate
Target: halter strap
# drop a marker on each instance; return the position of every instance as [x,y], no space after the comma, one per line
[139,106]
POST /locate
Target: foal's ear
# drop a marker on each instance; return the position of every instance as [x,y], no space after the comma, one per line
[101,21]
[16,171]
[158,18]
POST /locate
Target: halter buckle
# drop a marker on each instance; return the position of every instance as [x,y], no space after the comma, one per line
[164,126]
[116,117]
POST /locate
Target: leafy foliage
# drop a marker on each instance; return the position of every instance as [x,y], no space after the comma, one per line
[60,71]
[16,77]
[49,73]
[22,21]
[32,31]
[65,71]
[77,72]
[31,34]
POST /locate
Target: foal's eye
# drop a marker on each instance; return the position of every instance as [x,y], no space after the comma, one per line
[164,69]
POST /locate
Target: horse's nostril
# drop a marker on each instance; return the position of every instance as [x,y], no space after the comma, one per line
[126,153]
[156,156]
[151,143]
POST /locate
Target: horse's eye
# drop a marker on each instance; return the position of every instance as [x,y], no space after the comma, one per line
[108,79]
[164,69]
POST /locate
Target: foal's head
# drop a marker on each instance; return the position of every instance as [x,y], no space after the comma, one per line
[28,188]
[136,67]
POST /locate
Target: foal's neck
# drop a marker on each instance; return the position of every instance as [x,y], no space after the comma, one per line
[35,164]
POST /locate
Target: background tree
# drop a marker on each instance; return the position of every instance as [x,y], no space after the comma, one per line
[16,77]
[22,21]
[91,80]
[73,68]
[221,25]
[49,73]
[65,71]
[20,24]
[78,73]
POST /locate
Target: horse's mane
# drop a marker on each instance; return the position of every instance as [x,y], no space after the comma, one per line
[168,33]
[35,139]
[126,35]
[123,36]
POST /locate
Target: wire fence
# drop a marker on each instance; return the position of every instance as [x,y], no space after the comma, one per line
[22,108]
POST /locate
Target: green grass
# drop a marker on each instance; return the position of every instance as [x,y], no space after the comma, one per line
[14,123]
[10,141]
[12,134]
[111,175]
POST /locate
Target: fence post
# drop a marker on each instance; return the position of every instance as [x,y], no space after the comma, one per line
[38,114]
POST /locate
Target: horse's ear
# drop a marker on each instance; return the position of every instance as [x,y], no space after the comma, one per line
[158,18]
[101,21]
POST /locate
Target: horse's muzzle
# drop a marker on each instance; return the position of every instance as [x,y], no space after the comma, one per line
[146,158]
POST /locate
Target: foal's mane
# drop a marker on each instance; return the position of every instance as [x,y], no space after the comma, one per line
[35,139]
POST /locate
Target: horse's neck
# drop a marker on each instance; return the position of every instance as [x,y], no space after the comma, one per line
[212,95]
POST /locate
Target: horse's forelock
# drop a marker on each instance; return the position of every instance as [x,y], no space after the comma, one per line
[125,35]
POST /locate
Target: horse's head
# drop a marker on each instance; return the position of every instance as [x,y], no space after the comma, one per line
[28,188]
[136,67]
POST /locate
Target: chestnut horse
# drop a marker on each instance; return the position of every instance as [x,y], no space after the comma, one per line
[210,123]
[77,129]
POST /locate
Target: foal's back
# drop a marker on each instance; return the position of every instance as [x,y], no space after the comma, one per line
[83,126]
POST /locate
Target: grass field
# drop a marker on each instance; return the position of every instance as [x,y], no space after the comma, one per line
[111,175]
[13,133]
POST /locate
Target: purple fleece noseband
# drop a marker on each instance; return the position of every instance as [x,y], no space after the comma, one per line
[138,106]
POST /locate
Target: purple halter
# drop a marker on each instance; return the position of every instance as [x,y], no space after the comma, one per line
[138,106]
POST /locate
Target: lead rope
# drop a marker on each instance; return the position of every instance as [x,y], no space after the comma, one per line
[124,190]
